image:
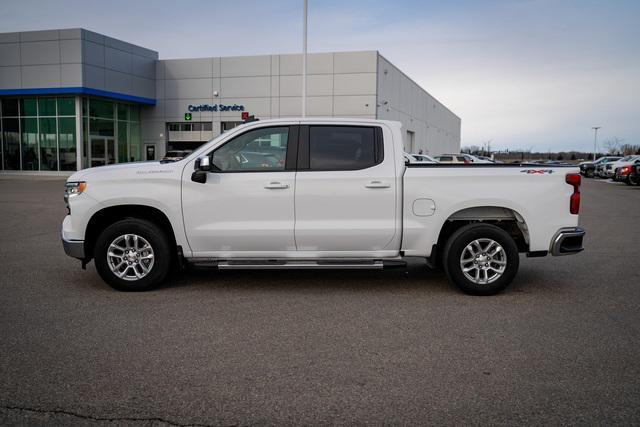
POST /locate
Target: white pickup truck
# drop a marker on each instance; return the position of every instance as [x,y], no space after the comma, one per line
[318,193]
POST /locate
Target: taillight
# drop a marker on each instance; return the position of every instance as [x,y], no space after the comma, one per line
[625,170]
[574,180]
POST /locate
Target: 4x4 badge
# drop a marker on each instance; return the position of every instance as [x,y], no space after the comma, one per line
[536,171]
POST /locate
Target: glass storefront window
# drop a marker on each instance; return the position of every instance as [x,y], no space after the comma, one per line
[39,133]
[47,106]
[100,108]
[29,107]
[48,145]
[9,108]
[122,112]
[134,113]
[123,141]
[66,106]
[85,139]
[67,143]
[134,154]
[101,127]
[11,142]
[30,157]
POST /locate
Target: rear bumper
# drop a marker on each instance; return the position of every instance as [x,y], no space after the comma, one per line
[567,241]
[73,248]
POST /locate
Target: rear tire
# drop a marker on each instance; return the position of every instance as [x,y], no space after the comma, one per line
[632,180]
[133,255]
[481,259]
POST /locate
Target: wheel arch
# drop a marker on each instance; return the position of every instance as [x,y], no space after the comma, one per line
[506,218]
[112,214]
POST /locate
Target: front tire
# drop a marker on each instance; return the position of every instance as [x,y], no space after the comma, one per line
[481,259]
[133,255]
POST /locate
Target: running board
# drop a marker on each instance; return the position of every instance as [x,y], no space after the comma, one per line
[277,264]
[297,265]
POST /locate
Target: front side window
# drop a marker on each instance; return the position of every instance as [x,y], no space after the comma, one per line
[258,150]
[343,148]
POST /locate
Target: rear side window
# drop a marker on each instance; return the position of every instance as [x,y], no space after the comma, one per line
[445,158]
[344,147]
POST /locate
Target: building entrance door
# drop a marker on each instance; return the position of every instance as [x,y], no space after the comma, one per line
[103,150]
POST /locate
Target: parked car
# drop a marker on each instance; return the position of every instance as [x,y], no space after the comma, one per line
[634,175]
[454,158]
[609,168]
[622,173]
[487,159]
[556,162]
[588,169]
[480,159]
[343,198]
[419,158]
[175,155]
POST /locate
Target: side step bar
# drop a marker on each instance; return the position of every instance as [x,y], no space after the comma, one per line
[298,264]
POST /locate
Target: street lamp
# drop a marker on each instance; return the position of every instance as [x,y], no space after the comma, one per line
[304,58]
[595,140]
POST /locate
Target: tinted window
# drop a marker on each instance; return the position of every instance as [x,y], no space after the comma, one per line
[445,158]
[341,147]
[257,150]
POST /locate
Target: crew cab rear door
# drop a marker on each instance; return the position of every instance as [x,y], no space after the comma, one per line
[346,190]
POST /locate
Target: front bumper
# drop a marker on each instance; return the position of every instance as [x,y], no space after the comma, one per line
[73,248]
[567,241]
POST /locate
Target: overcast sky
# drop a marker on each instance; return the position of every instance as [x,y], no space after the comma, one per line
[523,73]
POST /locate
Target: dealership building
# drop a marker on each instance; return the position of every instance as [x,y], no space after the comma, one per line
[72,99]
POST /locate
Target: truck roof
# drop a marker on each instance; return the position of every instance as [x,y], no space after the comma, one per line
[327,120]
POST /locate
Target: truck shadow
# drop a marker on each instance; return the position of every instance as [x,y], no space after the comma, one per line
[415,278]
[411,278]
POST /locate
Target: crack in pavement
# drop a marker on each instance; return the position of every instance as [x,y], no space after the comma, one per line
[107,419]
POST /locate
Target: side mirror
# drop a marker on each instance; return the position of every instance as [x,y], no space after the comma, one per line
[202,167]
[205,163]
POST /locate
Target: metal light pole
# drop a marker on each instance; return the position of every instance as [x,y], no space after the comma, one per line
[595,139]
[304,60]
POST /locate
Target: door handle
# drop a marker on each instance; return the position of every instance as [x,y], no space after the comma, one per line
[377,184]
[276,186]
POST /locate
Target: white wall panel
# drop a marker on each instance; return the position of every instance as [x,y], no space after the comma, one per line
[245,87]
[38,76]
[355,62]
[188,88]
[355,84]
[246,66]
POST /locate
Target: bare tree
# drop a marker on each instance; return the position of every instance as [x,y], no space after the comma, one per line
[627,149]
[612,145]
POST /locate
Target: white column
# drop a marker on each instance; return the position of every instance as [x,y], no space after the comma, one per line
[79,133]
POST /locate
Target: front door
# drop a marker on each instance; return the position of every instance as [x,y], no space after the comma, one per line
[102,150]
[346,195]
[246,206]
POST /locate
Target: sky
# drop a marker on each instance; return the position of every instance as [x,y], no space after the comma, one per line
[523,74]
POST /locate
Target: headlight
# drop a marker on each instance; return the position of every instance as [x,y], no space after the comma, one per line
[72,189]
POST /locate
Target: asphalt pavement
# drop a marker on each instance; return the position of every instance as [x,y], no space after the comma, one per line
[560,346]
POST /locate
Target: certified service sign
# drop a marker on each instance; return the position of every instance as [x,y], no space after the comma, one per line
[215,107]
